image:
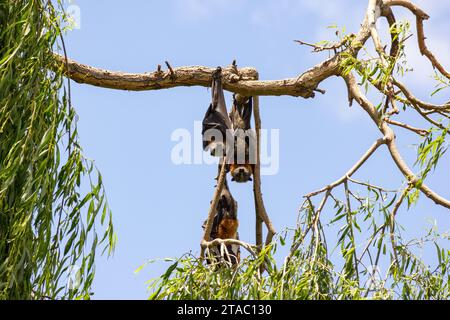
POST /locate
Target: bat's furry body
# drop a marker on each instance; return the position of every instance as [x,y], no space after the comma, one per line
[217,126]
[217,123]
[241,168]
[216,118]
[225,225]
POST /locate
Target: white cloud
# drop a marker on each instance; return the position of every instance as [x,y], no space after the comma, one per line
[195,10]
[327,8]
[322,9]
[433,7]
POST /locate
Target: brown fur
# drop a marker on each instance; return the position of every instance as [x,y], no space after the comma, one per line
[228,228]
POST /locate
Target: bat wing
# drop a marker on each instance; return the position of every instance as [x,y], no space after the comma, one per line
[216,116]
[244,139]
[241,112]
[226,212]
[225,222]
[247,113]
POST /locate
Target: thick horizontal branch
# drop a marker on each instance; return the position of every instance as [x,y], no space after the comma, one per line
[159,79]
[242,81]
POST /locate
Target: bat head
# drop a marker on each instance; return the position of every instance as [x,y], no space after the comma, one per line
[241,173]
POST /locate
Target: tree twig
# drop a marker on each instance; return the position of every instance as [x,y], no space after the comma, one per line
[352,170]
[389,135]
[259,202]
[419,131]
[422,104]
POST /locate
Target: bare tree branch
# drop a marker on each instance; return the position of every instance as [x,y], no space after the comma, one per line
[389,135]
[420,17]
[421,132]
[409,5]
[370,185]
[389,15]
[243,82]
[422,104]
[259,202]
[373,13]
[318,48]
[392,220]
[213,206]
[352,170]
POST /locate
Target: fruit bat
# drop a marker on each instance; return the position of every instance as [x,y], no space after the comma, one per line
[225,225]
[219,127]
[244,158]
[216,121]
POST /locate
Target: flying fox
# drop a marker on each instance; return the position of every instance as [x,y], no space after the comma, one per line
[225,225]
[230,134]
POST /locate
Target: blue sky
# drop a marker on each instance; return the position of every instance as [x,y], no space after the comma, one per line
[159,207]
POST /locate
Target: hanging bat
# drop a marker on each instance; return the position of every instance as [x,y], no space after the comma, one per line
[225,225]
[216,121]
[241,167]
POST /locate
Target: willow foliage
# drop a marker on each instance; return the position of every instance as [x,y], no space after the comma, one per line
[305,274]
[48,235]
